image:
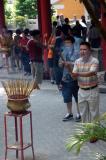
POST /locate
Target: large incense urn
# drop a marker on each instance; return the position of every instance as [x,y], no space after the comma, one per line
[18,92]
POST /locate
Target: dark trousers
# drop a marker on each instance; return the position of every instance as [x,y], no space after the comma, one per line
[25,61]
[58,73]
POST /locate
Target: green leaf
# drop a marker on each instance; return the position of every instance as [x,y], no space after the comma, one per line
[72,142]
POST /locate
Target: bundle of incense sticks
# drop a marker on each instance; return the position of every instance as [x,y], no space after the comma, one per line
[19,89]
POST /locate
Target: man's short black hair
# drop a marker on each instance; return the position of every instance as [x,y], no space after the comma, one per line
[86,43]
[18,31]
[66,20]
[10,32]
[26,31]
[35,33]
[70,38]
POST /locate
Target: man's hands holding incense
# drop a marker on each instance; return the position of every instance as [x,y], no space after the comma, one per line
[69,66]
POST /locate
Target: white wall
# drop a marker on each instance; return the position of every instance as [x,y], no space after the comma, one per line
[32,24]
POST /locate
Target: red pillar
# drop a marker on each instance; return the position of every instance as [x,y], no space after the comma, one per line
[103,21]
[2,15]
[44,18]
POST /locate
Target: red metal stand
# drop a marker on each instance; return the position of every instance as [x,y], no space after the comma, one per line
[19,145]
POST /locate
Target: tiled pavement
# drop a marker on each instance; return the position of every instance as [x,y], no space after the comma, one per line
[50,133]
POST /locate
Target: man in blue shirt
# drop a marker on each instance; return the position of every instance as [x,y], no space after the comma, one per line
[69,85]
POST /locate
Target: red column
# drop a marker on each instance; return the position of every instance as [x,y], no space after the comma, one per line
[2,15]
[103,21]
[44,17]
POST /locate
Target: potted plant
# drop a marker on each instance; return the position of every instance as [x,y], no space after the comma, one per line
[88,132]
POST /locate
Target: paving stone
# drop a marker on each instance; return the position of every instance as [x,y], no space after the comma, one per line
[49,131]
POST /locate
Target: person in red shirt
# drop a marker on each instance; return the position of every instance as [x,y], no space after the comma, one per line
[35,48]
[24,52]
[17,51]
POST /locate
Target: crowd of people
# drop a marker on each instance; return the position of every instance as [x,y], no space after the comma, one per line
[70,63]
[66,45]
[23,52]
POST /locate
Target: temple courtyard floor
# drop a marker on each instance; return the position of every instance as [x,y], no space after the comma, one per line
[49,131]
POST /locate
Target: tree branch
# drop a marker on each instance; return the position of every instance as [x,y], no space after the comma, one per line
[92,14]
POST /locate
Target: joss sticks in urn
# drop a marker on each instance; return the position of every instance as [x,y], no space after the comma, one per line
[19,89]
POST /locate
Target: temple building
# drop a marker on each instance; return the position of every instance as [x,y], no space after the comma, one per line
[69,8]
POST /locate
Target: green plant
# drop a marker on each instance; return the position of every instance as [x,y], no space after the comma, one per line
[20,21]
[87,131]
[100,157]
[26,7]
